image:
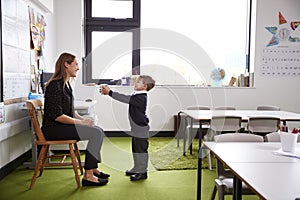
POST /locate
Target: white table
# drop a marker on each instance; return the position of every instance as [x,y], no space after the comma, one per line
[270,176]
[204,116]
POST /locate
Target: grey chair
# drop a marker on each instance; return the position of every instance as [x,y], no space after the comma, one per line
[267,107]
[275,137]
[263,125]
[183,126]
[272,137]
[225,108]
[224,181]
[220,125]
[225,124]
[195,127]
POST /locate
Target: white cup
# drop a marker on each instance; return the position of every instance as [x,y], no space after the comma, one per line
[288,141]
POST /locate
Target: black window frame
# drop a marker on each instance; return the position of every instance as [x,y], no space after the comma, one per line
[92,24]
[1,62]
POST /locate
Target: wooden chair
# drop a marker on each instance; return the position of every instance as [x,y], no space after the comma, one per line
[35,109]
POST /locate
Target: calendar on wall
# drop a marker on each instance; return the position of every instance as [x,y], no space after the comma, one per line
[281,61]
[281,55]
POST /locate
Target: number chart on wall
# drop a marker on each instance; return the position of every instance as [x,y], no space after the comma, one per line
[281,56]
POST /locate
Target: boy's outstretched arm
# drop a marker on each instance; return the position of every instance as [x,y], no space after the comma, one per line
[105,90]
[120,97]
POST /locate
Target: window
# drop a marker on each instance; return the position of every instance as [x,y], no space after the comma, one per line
[217,27]
[177,45]
[112,9]
[112,39]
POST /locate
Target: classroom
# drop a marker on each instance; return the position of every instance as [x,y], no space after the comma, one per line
[272,48]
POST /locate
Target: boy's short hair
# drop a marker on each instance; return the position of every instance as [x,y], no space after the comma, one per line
[148,80]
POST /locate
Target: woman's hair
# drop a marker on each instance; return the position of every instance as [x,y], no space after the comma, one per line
[60,69]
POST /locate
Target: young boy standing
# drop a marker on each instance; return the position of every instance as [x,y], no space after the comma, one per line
[139,123]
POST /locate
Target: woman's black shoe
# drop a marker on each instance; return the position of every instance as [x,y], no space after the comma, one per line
[91,183]
[102,175]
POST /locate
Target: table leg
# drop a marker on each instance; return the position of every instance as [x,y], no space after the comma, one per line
[237,189]
[190,138]
[178,127]
[184,135]
[199,176]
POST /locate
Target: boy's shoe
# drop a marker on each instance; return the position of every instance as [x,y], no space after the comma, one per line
[130,172]
[138,176]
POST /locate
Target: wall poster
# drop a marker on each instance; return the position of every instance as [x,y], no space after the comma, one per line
[37,38]
[281,56]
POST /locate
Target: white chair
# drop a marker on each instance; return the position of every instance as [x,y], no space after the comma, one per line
[222,124]
[272,137]
[195,127]
[225,108]
[224,180]
[263,125]
[267,107]
[275,137]
[225,124]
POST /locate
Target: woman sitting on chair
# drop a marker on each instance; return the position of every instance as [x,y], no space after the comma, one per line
[62,123]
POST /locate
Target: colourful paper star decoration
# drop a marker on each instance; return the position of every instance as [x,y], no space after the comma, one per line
[283,31]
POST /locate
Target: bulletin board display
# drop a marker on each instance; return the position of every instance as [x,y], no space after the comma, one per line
[23,36]
[15,50]
[281,55]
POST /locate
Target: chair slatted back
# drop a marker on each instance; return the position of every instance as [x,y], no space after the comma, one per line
[35,107]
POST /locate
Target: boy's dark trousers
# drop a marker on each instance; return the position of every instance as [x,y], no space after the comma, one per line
[140,154]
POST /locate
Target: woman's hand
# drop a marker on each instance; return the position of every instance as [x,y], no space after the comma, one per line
[87,122]
[64,119]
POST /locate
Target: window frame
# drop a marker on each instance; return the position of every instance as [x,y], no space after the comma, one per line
[1,57]
[130,24]
[92,24]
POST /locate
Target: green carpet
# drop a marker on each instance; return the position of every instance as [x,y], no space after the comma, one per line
[160,185]
[165,155]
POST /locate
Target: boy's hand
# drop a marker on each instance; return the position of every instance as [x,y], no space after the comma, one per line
[104,89]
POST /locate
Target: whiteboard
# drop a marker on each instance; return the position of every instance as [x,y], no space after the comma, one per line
[16,49]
